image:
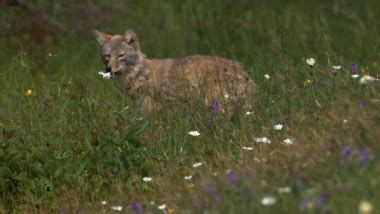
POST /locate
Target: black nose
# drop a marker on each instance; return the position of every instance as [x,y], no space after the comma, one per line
[108,69]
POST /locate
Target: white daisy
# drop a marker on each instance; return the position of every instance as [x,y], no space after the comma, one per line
[282,190]
[248,113]
[194,133]
[147,179]
[268,200]
[162,206]
[337,67]
[196,165]
[288,141]
[188,177]
[366,79]
[262,140]
[267,76]
[278,127]
[117,208]
[105,75]
[355,76]
[104,202]
[310,61]
[247,148]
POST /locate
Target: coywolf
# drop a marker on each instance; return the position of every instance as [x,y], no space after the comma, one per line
[147,81]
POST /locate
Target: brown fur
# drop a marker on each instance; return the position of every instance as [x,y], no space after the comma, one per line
[195,77]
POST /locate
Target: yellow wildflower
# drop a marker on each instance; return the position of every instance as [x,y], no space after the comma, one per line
[308,82]
[365,207]
[29,92]
[51,55]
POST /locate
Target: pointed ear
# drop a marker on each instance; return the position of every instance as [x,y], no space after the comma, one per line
[131,39]
[102,37]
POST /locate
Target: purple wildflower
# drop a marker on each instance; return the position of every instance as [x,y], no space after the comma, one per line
[355,67]
[346,152]
[300,185]
[322,199]
[233,178]
[216,105]
[62,210]
[361,103]
[334,72]
[215,110]
[137,207]
[363,158]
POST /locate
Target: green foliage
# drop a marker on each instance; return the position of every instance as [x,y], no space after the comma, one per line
[86,165]
[73,140]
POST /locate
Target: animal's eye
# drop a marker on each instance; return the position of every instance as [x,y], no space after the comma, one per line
[121,55]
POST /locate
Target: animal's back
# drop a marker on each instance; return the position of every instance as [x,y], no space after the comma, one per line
[207,77]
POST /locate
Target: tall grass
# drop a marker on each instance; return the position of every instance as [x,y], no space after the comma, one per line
[75,141]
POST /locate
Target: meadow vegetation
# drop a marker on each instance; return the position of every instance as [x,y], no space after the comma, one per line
[70,142]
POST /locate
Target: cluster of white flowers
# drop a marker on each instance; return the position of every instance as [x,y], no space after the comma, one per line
[288,141]
[147,179]
[248,148]
[117,208]
[262,140]
[105,75]
[162,206]
[336,67]
[366,79]
[194,133]
[268,200]
[310,61]
[278,127]
[196,165]
[283,190]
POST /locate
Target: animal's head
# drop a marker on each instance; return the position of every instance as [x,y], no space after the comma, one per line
[120,53]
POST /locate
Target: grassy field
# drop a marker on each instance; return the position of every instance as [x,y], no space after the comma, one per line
[70,143]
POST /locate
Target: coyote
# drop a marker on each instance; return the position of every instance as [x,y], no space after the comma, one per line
[147,81]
